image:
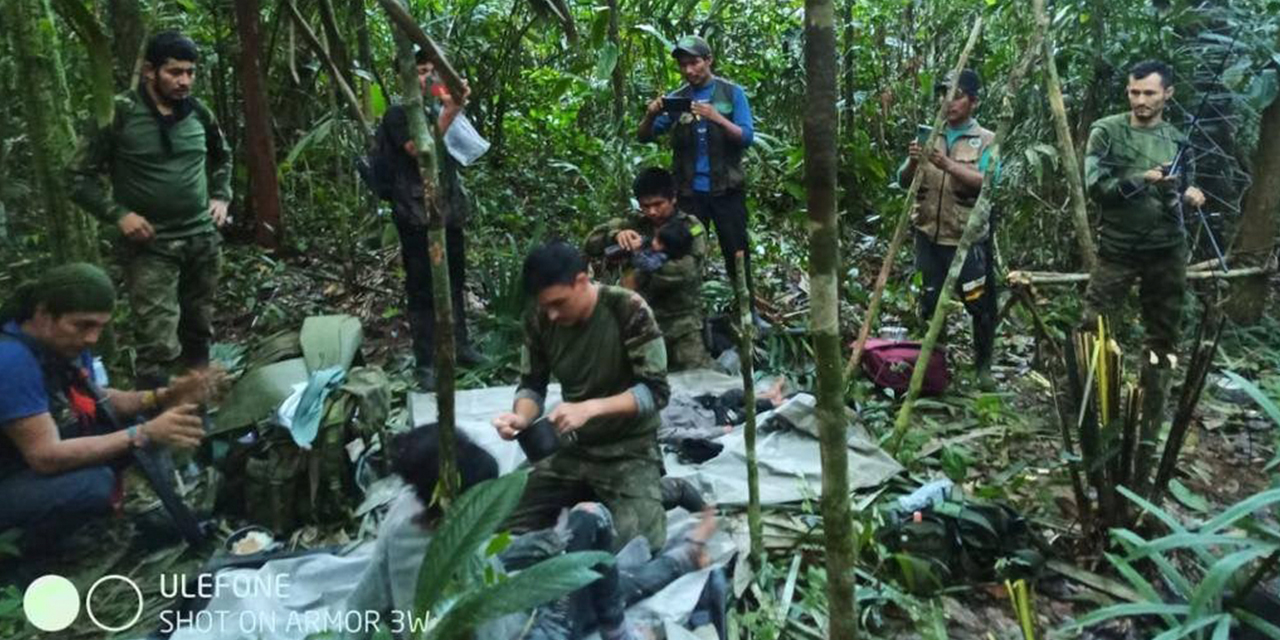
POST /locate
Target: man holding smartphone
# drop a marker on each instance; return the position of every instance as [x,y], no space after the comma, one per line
[950,185]
[710,123]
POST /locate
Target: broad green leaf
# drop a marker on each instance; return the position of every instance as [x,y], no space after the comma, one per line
[1187,497]
[1262,626]
[1170,573]
[1163,516]
[1211,588]
[315,136]
[1242,509]
[468,524]
[1129,610]
[1263,89]
[1193,541]
[1188,629]
[1223,630]
[651,30]
[534,586]
[1267,404]
[608,60]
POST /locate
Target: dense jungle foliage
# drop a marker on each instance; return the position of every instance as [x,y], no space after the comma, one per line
[558,88]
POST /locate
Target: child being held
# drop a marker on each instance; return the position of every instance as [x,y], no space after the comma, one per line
[672,242]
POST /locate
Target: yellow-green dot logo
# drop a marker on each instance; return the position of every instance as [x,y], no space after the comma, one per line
[51,603]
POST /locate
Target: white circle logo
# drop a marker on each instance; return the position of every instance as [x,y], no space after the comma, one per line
[88,600]
[51,603]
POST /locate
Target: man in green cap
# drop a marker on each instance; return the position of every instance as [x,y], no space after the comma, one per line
[59,455]
[167,184]
[1140,232]
[673,288]
[709,119]
[951,181]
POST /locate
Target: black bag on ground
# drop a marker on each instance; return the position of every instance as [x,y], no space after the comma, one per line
[963,539]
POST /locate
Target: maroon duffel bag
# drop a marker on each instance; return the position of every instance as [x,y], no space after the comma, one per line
[889,363]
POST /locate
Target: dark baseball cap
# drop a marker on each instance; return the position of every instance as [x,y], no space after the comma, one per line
[970,84]
[692,46]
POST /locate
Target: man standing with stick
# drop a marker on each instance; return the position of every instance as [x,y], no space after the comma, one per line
[950,185]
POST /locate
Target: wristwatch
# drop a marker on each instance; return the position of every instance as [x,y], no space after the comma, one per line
[136,439]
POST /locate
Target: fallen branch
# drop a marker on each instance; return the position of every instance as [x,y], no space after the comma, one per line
[904,221]
[1024,278]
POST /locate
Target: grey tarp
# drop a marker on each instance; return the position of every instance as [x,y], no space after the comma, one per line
[790,470]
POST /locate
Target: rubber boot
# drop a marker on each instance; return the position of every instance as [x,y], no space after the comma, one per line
[984,337]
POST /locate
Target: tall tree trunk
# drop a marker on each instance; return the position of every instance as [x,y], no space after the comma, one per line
[821,130]
[1066,147]
[1255,242]
[127,33]
[260,148]
[746,352]
[94,36]
[47,114]
[429,148]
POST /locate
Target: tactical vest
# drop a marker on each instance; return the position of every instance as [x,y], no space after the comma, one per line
[943,204]
[725,155]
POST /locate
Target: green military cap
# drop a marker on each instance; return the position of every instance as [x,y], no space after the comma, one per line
[691,46]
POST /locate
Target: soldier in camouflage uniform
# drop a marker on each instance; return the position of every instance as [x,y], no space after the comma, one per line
[603,346]
[1140,236]
[167,187]
[674,290]
[60,457]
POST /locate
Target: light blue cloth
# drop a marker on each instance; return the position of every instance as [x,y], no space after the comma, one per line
[306,420]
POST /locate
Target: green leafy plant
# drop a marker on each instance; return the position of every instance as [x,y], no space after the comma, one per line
[451,598]
[1204,572]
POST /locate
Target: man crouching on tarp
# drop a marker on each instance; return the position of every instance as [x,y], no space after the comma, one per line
[59,455]
[604,347]
[390,582]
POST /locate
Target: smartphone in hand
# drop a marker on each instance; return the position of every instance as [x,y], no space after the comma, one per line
[677,105]
[923,131]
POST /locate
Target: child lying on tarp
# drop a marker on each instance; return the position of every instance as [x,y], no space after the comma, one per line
[390,581]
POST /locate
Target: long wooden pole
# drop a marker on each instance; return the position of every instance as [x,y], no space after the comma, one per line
[1066,147]
[977,221]
[429,147]
[900,232]
[401,18]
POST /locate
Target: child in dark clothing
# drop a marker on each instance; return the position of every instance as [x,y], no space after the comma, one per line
[672,242]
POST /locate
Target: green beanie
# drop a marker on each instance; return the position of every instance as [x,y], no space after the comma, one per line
[78,287]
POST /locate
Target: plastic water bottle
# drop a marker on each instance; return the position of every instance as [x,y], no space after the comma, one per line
[100,377]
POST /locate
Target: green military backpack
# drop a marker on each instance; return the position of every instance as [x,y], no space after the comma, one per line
[958,538]
[268,478]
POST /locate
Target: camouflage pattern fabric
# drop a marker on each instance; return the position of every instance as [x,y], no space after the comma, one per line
[1162,280]
[171,285]
[614,461]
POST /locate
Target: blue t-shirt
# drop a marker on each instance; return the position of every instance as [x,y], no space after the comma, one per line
[741,117]
[22,390]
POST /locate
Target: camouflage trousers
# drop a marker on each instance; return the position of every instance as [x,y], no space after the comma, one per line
[629,487]
[171,285]
[1162,281]
[683,339]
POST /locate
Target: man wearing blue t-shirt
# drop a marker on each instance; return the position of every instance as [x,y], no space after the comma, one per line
[59,454]
[707,142]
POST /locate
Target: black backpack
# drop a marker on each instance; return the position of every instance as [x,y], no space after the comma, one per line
[376,168]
